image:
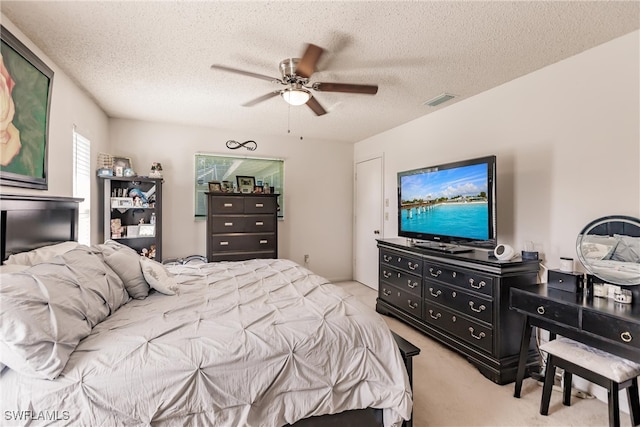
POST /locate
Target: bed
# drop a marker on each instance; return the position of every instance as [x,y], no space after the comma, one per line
[256,342]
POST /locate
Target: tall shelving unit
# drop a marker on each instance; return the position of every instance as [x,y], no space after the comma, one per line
[131,213]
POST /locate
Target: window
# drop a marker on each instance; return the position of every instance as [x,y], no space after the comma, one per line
[82,184]
[211,167]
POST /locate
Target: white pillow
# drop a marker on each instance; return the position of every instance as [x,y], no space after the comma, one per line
[42,254]
[158,277]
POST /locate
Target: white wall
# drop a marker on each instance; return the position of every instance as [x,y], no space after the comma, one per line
[567,139]
[69,106]
[318,191]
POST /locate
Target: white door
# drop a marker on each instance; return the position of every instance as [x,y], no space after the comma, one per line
[368,220]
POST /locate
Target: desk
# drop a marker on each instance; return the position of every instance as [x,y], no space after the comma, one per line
[598,322]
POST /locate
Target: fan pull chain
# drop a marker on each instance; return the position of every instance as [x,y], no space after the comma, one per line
[289,121]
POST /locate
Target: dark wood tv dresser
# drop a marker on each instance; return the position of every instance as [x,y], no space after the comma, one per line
[461,300]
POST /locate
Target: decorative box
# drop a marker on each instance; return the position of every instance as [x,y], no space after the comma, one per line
[569,281]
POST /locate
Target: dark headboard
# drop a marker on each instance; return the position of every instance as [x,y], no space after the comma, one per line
[618,226]
[30,222]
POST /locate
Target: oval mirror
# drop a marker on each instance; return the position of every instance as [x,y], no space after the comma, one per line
[609,248]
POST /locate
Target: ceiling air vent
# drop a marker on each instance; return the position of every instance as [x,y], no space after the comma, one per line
[439,99]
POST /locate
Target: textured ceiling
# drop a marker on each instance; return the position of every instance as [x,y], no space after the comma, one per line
[151,60]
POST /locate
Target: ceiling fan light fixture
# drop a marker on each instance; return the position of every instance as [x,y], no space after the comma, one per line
[296,96]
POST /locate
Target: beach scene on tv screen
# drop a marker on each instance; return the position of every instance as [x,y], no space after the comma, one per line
[451,202]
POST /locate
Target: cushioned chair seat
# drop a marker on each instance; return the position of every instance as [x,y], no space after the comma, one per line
[602,368]
[593,359]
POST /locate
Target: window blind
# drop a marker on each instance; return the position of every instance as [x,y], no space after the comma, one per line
[82,184]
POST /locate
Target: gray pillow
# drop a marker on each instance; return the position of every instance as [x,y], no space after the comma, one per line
[126,263]
[48,308]
[627,250]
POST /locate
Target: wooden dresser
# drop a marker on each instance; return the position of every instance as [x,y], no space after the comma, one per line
[461,300]
[241,226]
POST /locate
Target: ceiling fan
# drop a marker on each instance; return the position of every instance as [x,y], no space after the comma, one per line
[296,73]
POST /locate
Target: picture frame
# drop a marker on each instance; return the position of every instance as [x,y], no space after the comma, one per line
[146,230]
[122,202]
[246,184]
[28,90]
[215,187]
[121,162]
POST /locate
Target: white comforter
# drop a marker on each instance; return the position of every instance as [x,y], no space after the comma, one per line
[254,343]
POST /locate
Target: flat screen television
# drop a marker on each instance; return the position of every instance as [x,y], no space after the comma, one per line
[449,207]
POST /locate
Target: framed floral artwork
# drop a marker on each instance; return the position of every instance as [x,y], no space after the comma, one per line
[26,84]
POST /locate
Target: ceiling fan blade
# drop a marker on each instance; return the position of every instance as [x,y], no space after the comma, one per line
[309,60]
[261,99]
[345,87]
[245,73]
[316,107]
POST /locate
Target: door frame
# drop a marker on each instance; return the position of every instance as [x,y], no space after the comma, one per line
[364,158]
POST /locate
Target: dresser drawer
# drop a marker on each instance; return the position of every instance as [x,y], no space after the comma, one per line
[241,224]
[240,256]
[616,329]
[403,280]
[403,262]
[259,205]
[466,279]
[242,242]
[403,300]
[226,204]
[544,308]
[467,303]
[471,332]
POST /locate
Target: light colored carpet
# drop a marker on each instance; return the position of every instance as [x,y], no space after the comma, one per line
[449,391]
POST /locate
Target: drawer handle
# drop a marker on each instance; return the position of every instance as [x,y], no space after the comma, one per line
[540,310]
[264,242]
[436,274]
[412,266]
[436,316]
[228,224]
[385,292]
[386,274]
[435,294]
[626,336]
[412,285]
[259,205]
[224,243]
[472,283]
[259,223]
[386,258]
[412,305]
[228,205]
[479,336]
[477,310]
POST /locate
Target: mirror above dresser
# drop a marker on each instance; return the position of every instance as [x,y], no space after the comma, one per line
[609,248]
